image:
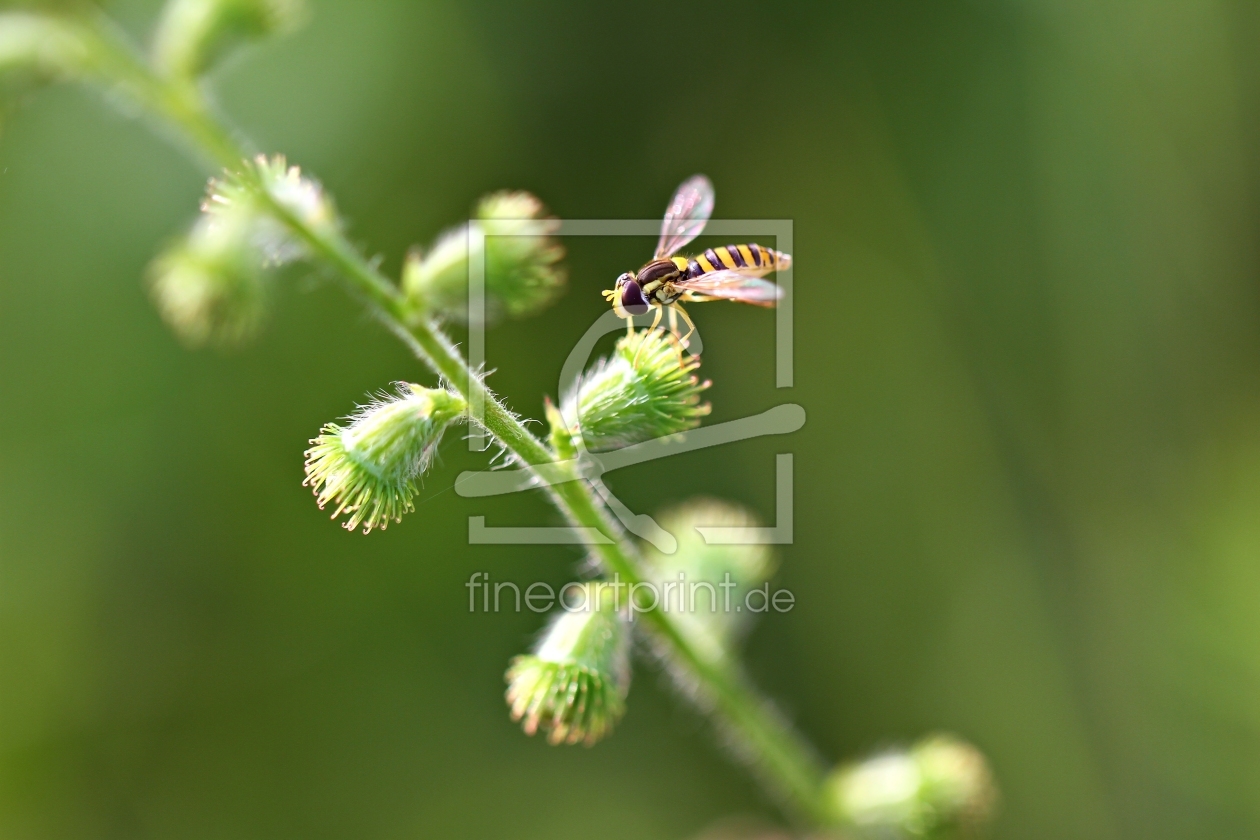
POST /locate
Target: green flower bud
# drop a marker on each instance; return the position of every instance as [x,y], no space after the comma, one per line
[645,390]
[193,35]
[210,286]
[713,580]
[523,273]
[941,788]
[300,195]
[43,44]
[573,686]
[369,468]
[296,194]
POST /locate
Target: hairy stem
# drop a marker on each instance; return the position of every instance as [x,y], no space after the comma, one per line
[784,761]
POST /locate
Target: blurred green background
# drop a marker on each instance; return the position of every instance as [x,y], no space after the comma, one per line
[1027,495]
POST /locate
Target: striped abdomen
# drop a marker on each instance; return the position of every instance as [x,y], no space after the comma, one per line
[751,257]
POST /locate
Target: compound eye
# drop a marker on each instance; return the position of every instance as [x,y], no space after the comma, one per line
[632,299]
[623,279]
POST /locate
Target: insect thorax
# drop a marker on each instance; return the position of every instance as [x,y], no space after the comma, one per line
[655,280]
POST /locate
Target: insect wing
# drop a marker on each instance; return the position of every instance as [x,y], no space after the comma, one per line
[688,211]
[733,285]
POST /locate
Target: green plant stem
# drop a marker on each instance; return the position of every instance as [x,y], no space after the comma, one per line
[783,759]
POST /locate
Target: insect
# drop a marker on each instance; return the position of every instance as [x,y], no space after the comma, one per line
[730,272]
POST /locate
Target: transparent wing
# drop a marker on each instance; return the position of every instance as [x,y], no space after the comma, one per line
[688,210]
[731,285]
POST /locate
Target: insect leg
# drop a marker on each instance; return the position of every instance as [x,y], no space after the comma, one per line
[656,320]
[691,324]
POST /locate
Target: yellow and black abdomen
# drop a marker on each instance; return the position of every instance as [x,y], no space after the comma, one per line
[751,258]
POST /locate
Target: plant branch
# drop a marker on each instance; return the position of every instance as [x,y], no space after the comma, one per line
[784,760]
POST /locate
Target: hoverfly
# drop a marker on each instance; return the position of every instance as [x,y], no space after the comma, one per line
[730,272]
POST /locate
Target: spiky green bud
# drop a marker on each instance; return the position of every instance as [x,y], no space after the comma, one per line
[193,35]
[44,44]
[213,286]
[709,599]
[646,389]
[210,286]
[941,788]
[748,565]
[293,193]
[523,273]
[368,469]
[573,686]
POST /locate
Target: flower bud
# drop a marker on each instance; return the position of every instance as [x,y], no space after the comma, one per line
[210,286]
[522,262]
[297,194]
[645,390]
[941,788]
[710,602]
[369,468]
[43,44]
[193,35]
[573,686]
[286,186]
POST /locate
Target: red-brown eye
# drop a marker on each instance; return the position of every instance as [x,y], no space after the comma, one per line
[632,299]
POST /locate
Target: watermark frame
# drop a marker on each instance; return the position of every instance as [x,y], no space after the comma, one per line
[783,419]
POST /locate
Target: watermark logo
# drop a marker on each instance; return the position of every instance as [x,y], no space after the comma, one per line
[680,595]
